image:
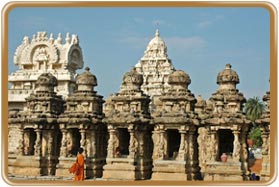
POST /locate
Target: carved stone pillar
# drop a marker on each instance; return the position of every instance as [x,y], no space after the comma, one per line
[90,139]
[265,145]
[83,140]
[191,147]
[50,143]
[63,149]
[21,142]
[38,143]
[161,148]
[111,143]
[183,147]
[132,144]
[212,146]
[236,146]
[244,152]
[156,140]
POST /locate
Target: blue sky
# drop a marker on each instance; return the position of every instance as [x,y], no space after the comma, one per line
[200,41]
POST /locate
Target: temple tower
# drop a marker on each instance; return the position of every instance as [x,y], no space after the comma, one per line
[222,139]
[127,118]
[81,126]
[155,66]
[264,123]
[43,54]
[175,153]
[36,131]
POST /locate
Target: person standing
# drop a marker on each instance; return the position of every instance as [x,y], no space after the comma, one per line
[79,174]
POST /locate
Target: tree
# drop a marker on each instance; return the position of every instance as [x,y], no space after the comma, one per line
[254,109]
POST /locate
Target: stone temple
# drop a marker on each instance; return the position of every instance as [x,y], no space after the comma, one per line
[153,128]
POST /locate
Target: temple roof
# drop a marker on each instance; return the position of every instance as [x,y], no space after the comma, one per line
[47,80]
[227,76]
[179,77]
[132,78]
[87,78]
[156,47]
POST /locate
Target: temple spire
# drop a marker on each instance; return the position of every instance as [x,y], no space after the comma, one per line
[157,33]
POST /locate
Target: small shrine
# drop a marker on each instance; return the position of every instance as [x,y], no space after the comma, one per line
[81,126]
[222,139]
[264,123]
[175,153]
[127,118]
[36,150]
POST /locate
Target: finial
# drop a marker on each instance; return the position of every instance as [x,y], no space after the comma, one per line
[59,38]
[87,69]
[34,38]
[157,34]
[68,39]
[51,38]
[75,39]
[228,66]
[26,40]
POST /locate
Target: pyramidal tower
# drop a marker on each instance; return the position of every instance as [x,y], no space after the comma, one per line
[155,66]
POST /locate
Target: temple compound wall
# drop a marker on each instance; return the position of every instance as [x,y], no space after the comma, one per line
[153,128]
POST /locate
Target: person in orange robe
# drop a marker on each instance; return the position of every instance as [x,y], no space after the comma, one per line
[79,174]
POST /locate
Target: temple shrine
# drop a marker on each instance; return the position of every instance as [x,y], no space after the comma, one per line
[153,128]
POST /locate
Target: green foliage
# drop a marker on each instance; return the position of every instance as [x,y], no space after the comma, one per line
[254,108]
[255,135]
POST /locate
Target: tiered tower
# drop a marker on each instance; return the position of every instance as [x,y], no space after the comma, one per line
[81,126]
[130,144]
[222,140]
[36,130]
[44,54]
[155,66]
[175,153]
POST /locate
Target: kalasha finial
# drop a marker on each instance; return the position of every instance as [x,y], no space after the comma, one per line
[157,33]
[87,69]
[228,66]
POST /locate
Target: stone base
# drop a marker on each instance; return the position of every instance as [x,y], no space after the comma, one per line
[127,169]
[93,167]
[223,171]
[265,172]
[62,168]
[173,170]
[29,166]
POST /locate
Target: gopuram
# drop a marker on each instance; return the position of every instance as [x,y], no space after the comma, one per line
[44,54]
[153,128]
[155,67]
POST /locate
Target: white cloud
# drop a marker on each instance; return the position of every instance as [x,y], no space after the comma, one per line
[185,43]
[205,23]
[210,21]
